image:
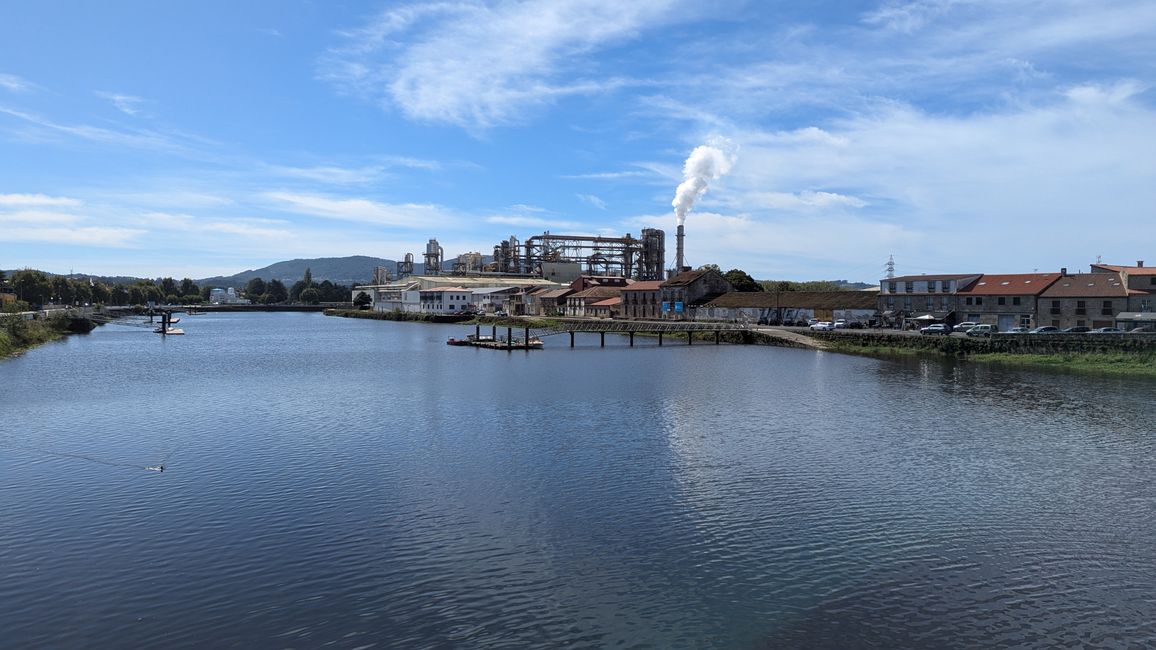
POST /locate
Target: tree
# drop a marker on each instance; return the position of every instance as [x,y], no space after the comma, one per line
[275,292]
[206,293]
[255,289]
[188,287]
[362,301]
[62,292]
[308,279]
[168,286]
[710,267]
[741,281]
[33,287]
[311,296]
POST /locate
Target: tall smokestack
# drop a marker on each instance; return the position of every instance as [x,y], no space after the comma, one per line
[706,163]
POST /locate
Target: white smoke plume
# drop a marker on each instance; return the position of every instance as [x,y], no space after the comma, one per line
[706,163]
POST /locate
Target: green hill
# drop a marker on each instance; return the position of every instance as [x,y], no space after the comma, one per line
[339,270]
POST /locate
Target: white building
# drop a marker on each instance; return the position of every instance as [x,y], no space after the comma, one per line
[444,300]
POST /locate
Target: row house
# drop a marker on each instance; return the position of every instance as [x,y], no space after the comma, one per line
[444,300]
[608,308]
[682,294]
[1004,301]
[1084,299]
[642,300]
[1141,283]
[578,304]
[912,295]
[791,307]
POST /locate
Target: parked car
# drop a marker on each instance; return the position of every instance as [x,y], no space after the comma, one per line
[854,325]
[964,326]
[1140,330]
[1078,329]
[1044,329]
[937,328]
[839,323]
[1018,330]
[1106,330]
[822,325]
[980,330]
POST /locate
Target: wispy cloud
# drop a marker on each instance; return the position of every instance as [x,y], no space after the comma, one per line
[537,223]
[16,84]
[479,66]
[590,199]
[24,200]
[142,139]
[407,215]
[127,104]
[91,236]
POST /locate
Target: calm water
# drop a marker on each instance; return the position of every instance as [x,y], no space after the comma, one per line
[355,483]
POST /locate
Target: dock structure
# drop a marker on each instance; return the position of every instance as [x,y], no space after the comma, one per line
[661,329]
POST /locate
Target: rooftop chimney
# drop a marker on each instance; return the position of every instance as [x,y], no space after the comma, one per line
[678,251]
[1064,272]
[1139,264]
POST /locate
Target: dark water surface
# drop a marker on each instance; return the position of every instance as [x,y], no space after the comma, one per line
[347,483]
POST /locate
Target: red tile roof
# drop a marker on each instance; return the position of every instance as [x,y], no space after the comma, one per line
[1017,284]
[1130,270]
[609,302]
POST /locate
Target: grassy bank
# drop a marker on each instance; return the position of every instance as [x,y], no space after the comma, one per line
[1133,364]
[18,335]
[1111,363]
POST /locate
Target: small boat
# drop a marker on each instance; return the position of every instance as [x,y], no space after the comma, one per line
[172,331]
[454,341]
[174,320]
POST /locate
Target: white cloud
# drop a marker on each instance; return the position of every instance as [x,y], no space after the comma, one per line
[480,66]
[126,104]
[137,139]
[592,200]
[23,200]
[16,84]
[77,236]
[537,223]
[407,215]
[38,217]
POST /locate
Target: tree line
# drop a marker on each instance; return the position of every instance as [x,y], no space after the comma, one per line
[37,288]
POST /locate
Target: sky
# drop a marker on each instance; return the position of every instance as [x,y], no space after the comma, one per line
[193,139]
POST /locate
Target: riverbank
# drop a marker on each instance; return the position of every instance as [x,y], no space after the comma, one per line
[18,334]
[1103,356]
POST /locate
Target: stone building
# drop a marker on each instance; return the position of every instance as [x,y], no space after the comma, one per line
[1141,283]
[578,304]
[687,291]
[791,307]
[1004,301]
[917,295]
[642,300]
[1083,299]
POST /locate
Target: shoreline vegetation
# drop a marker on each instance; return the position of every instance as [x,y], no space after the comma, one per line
[1118,363]
[18,335]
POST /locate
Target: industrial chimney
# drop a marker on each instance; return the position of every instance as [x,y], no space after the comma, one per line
[678,261]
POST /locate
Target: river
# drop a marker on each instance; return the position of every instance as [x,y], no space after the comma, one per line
[352,483]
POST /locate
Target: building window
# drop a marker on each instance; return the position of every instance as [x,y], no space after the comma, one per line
[1081,308]
[1025,320]
[1015,300]
[1107,310]
[931,287]
[1001,300]
[890,303]
[909,287]
[967,301]
[979,300]
[1055,307]
[890,287]
[930,303]
[907,304]
[943,303]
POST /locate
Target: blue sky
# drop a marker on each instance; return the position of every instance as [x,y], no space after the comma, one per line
[202,138]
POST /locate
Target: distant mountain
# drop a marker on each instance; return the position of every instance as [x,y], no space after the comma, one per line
[355,269]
